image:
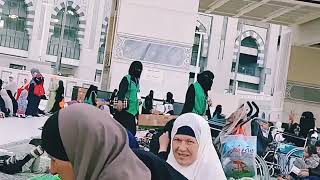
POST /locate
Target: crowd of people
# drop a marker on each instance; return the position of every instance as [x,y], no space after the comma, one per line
[103,144]
[25,100]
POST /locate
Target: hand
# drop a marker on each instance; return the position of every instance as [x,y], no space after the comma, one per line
[119,105]
[164,142]
[291,117]
[303,173]
[210,102]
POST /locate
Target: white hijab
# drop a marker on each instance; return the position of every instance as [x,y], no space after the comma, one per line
[207,166]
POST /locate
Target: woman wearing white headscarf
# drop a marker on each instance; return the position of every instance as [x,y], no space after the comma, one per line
[192,151]
[6,98]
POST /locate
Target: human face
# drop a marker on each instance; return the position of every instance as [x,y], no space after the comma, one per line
[318,150]
[265,126]
[306,154]
[62,168]
[185,149]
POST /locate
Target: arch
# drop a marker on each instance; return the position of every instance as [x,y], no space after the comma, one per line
[200,27]
[79,11]
[30,15]
[249,42]
[259,41]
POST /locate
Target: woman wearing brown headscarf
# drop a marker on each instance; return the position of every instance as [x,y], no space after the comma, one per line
[85,143]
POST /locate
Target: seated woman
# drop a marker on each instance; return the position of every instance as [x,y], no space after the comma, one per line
[307,123]
[192,152]
[310,161]
[96,149]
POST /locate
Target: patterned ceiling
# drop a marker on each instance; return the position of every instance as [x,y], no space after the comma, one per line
[285,12]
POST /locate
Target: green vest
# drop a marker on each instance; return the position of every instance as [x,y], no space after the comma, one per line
[200,100]
[132,95]
[90,100]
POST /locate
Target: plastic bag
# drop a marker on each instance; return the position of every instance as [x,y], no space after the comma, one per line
[238,156]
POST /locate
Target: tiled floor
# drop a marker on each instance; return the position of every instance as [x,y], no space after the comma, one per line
[15,136]
[17,129]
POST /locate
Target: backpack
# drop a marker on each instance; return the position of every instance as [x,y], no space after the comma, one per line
[39,90]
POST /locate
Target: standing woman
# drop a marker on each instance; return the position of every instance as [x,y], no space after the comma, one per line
[129,89]
[168,104]
[7,100]
[58,97]
[197,95]
[52,94]
[25,86]
[12,91]
[22,103]
[3,106]
[91,95]
[36,91]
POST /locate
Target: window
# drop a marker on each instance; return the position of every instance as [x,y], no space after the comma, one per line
[197,48]
[101,53]
[97,77]
[249,42]
[13,19]
[70,43]
[103,45]
[247,62]
[17,66]
[245,86]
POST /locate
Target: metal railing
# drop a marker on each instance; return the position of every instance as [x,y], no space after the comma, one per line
[70,50]
[14,41]
[247,70]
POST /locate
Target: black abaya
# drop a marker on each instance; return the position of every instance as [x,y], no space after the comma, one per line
[59,97]
[14,102]
[33,102]
[160,169]
[3,107]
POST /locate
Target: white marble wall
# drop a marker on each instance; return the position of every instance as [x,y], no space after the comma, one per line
[160,34]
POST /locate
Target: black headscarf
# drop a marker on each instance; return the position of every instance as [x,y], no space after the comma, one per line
[205,79]
[307,122]
[60,91]
[218,112]
[51,139]
[169,98]
[1,83]
[160,170]
[151,94]
[91,89]
[135,69]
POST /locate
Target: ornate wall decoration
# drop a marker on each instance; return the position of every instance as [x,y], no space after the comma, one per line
[152,52]
[303,92]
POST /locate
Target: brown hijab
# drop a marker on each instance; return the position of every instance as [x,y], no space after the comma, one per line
[95,144]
